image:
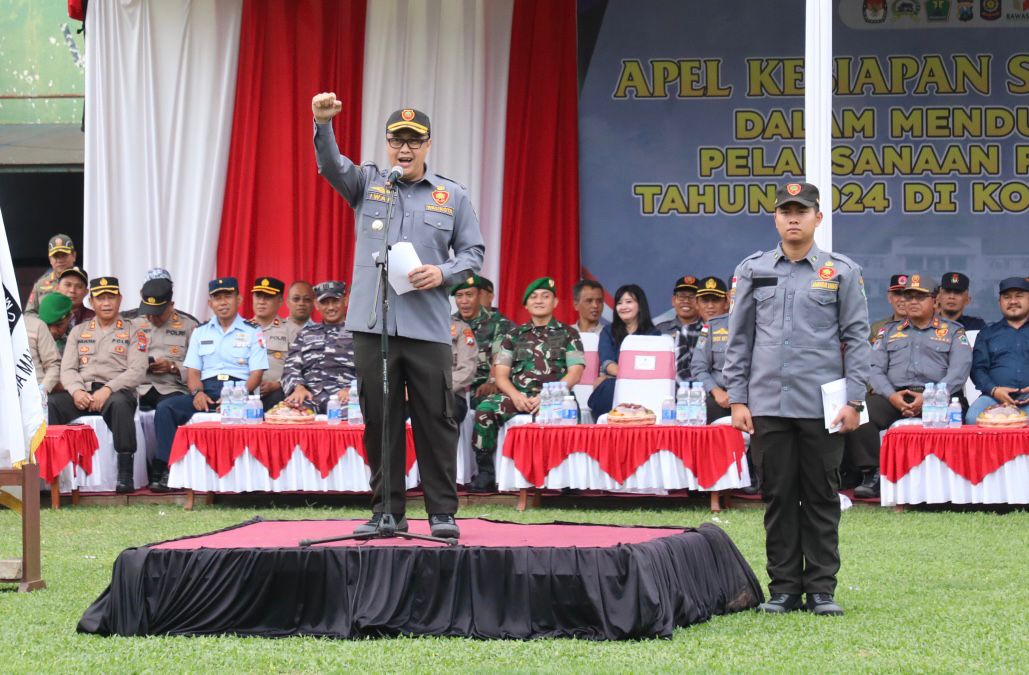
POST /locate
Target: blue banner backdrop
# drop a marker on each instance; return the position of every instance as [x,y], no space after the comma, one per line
[692,112]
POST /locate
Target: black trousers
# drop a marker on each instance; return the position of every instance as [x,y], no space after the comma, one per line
[715,411]
[799,463]
[424,369]
[152,397]
[119,414]
[272,399]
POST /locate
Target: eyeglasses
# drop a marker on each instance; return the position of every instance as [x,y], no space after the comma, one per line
[413,143]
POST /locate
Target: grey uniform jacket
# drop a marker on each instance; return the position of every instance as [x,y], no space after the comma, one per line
[793,327]
[906,356]
[466,355]
[434,214]
[709,354]
[278,338]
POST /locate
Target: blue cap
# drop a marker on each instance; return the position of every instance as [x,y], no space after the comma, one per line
[222,284]
[1019,283]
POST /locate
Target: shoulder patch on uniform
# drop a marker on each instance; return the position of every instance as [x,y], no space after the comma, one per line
[252,324]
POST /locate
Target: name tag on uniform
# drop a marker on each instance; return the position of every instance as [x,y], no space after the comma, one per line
[760,282]
[207,342]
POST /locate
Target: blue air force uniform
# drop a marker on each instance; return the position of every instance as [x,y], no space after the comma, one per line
[220,356]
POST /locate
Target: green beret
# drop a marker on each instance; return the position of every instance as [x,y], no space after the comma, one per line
[546,283]
[473,281]
[54,307]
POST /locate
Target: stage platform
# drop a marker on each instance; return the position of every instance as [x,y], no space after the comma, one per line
[504,580]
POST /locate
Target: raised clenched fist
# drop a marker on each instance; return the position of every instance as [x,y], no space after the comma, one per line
[325,106]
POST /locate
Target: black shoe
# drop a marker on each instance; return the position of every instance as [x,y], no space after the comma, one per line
[444,526]
[373,523]
[125,481]
[752,489]
[823,604]
[780,603]
[869,488]
[484,481]
[160,482]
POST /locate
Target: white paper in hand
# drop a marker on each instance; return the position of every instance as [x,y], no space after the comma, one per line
[834,397]
[402,259]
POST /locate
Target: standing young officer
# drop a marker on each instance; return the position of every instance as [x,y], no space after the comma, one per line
[799,319]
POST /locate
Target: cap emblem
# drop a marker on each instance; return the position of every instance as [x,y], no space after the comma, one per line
[793,189]
[710,283]
[916,279]
[103,282]
[953,278]
[407,115]
[152,300]
[550,283]
[58,242]
[265,282]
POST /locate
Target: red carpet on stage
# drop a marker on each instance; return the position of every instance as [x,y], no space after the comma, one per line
[504,580]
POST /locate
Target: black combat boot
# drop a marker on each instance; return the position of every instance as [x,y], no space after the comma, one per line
[125,481]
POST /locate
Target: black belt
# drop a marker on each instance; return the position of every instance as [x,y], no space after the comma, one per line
[222,378]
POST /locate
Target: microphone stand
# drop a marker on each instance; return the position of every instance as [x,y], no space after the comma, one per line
[387,528]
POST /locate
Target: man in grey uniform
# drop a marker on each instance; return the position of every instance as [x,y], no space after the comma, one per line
[799,320]
[709,353]
[923,347]
[435,215]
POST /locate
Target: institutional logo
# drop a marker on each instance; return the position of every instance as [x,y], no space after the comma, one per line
[937,10]
[989,10]
[906,9]
[966,10]
[873,11]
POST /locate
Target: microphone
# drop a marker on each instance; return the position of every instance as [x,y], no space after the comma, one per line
[394,175]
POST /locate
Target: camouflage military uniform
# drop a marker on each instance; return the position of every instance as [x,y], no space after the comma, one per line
[321,359]
[43,287]
[489,327]
[535,354]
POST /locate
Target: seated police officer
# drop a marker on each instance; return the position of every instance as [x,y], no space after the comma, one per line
[685,326]
[168,332]
[320,363]
[104,361]
[267,296]
[1000,360]
[924,347]
[226,348]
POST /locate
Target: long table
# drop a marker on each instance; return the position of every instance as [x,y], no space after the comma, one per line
[970,465]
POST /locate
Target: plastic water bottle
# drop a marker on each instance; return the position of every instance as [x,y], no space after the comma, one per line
[334,410]
[954,414]
[569,413]
[239,409]
[254,410]
[929,406]
[43,403]
[354,415]
[225,401]
[560,394]
[682,405]
[668,411]
[698,412]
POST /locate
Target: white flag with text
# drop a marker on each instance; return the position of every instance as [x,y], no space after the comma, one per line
[21,409]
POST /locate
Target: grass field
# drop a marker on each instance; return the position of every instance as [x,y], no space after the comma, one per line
[923,591]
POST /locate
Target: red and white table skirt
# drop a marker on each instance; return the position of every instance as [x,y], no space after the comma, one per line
[970,465]
[621,459]
[211,457]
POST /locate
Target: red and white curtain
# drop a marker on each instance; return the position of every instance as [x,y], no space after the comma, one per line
[198,132]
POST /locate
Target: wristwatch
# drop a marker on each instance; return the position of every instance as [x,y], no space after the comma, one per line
[857,405]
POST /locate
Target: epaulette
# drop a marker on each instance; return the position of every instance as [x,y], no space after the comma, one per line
[252,324]
[752,256]
[453,181]
[843,258]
